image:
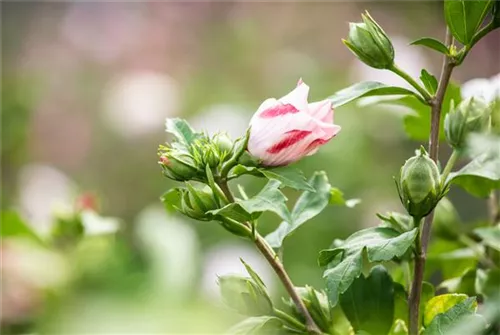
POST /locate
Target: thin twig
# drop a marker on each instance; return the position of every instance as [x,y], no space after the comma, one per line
[278,267]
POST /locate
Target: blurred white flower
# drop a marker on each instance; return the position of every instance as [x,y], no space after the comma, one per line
[138,103]
[224,259]
[488,89]
[409,58]
[44,190]
[94,224]
[173,247]
[232,119]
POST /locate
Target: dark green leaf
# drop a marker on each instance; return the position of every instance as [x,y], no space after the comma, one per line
[13,226]
[442,323]
[400,303]
[257,325]
[181,130]
[380,243]
[309,204]
[369,303]
[365,89]
[430,82]
[490,236]
[433,44]
[288,176]
[464,17]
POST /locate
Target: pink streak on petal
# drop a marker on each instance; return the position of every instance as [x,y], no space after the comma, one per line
[278,110]
[292,138]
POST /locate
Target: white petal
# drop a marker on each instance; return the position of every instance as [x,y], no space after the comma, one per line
[297,97]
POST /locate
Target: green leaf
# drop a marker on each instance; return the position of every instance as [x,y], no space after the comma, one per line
[172,199]
[430,82]
[397,221]
[366,89]
[400,303]
[257,325]
[443,322]
[309,204]
[380,243]
[269,198]
[337,198]
[399,328]
[441,304]
[181,130]
[417,121]
[427,294]
[288,176]
[487,283]
[369,303]
[490,236]
[13,226]
[466,283]
[433,44]
[464,17]
[480,176]
[253,274]
[240,170]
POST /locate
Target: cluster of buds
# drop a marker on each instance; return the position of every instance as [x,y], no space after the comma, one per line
[183,163]
[419,185]
[470,116]
[368,41]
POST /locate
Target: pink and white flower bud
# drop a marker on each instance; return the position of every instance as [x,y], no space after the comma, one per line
[285,130]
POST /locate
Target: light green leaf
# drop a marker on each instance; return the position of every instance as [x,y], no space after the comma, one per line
[369,302]
[366,89]
[253,274]
[270,199]
[309,204]
[490,236]
[444,321]
[172,199]
[337,198]
[417,121]
[430,82]
[487,283]
[441,304]
[257,325]
[181,130]
[288,176]
[240,170]
[13,226]
[464,17]
[381,244]
[397,221]
[432,43]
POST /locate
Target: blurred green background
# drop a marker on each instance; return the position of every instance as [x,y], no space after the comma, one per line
[86,88]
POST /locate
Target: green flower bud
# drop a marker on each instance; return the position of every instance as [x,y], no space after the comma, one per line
[197,202]
[223,143]
[471,115]
[316,303]
[177,165]
[419,185]
[446,224]
[245,296]
[370,43]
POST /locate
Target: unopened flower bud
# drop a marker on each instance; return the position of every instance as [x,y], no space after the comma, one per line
[370,43]
[223,143]
[471,115]
[316,303]
[419,185]
[177,165]
[245,296]
[197,202]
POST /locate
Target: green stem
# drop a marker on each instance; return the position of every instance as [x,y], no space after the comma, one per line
[290,319]
[278,268]
[423,239]
[449,165]
[400,72]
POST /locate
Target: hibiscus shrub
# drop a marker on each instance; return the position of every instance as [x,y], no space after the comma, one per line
[372,297]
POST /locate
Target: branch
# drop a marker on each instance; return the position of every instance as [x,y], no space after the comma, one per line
[278,267]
